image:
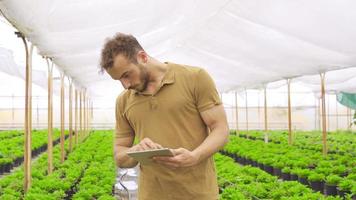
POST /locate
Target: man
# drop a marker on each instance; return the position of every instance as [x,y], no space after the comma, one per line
[166,105]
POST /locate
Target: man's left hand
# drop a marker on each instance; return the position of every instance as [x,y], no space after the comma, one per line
[182,158]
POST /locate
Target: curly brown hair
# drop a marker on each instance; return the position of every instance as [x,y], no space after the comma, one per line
[121,43]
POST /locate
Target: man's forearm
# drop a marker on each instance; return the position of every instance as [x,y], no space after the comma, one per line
[217,138]
[122,159]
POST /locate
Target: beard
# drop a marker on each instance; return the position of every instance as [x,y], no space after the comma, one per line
[144,78]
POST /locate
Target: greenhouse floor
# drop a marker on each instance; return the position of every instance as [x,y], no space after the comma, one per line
[127,184]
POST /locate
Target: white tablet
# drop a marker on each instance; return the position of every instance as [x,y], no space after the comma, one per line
[145,157]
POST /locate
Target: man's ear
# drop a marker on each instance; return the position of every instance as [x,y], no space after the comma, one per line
[142,56]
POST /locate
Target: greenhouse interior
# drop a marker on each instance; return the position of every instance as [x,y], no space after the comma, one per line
[284,72]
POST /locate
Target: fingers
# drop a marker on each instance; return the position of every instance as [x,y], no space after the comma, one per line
[146,144]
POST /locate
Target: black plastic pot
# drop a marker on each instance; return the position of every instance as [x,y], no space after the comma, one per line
[243,160]
[317,186]
[235,157]
[277,172]
[303,180]
[341,193]
[248,161]
[286,176]
[330,189]
[268,169]
[254,163]
[261,166]
[293,177]
[7,167]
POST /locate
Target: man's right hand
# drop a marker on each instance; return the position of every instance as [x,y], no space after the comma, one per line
[145,144]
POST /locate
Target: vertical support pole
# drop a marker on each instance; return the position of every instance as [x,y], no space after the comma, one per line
[319,114]
[80,115]
[337,112]
[62,119]
[70,115]
[84,114]
[237,114]
[258,111]
[348,118]
[246,101]
[289,115]
[37,113]
[316,115]
[76,117]
[13,111]
[322,77]
[265,106]
[328,111]
[91,114]
[28,113]
[50,118]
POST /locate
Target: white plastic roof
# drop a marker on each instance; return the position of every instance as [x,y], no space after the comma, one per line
[242,43]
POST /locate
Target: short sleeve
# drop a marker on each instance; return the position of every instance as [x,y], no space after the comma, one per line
[206,94]
[123,128]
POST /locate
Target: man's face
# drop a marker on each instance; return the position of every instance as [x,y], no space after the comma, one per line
[131,75]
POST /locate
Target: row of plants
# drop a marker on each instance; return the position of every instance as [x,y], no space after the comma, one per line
[291,163]
[12,149]
[10,134]
[99,178]
[11,185]
[246,182]
[88,173]
[340,142]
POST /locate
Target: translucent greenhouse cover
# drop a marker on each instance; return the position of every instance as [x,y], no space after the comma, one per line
[241,43]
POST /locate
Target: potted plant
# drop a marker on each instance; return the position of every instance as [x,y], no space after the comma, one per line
[286,173]
[303,175]
[294,174]
[316,181]
[344,187]
[331,182]
[277,168]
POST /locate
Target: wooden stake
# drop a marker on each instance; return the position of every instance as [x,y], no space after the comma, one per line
[70,115]
[265,106]
[236,114]
[28,114]
[337,113]
[80,115]
[50,118]
[76,117]
[322,76]
[246,101]
[289,115]
[62,119]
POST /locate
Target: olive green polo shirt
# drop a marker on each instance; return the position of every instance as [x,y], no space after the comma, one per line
[171,117]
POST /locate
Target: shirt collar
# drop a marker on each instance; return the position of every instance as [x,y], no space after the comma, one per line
[169,78]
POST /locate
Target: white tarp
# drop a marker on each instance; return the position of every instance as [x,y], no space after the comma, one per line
[242,43]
